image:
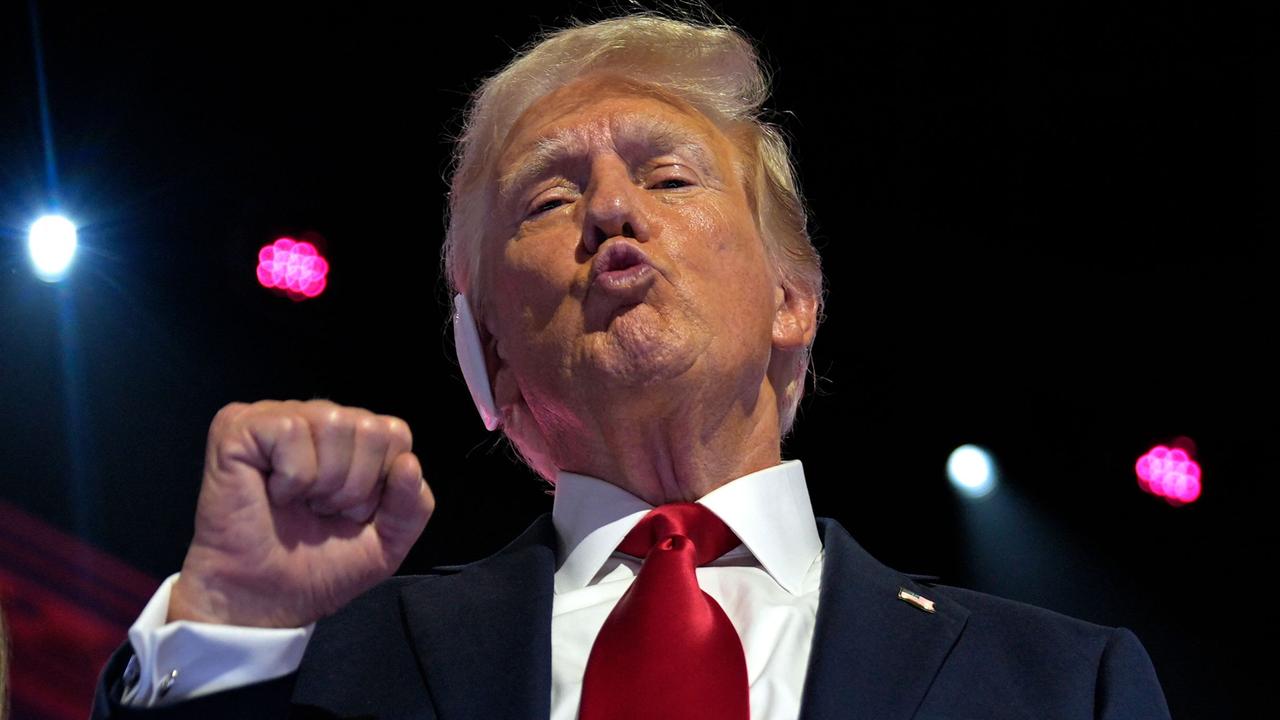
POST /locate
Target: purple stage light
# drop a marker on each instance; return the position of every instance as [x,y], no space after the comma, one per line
[1169,473]
[292,266]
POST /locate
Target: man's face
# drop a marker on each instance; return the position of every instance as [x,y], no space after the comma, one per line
[626,254]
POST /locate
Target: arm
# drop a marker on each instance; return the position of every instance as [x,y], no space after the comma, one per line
[265,700]
[303,507]
[208,659]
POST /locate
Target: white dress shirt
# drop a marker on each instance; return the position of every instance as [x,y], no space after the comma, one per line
[768,586]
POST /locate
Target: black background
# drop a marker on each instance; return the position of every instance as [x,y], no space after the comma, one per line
[1041,225]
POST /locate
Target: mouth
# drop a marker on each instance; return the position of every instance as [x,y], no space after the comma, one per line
[622,269]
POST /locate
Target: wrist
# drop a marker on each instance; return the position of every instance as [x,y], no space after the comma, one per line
[190,599]
[197,598]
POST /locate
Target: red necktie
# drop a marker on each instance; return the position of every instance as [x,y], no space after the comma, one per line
[668,650]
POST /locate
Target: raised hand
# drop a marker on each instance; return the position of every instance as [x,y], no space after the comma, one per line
[303,506]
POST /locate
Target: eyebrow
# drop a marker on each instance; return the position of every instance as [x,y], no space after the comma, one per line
[630,135]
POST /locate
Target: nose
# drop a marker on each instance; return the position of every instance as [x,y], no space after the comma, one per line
[615,207]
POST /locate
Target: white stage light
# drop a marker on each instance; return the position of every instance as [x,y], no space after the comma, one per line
[972,471]
[51,241]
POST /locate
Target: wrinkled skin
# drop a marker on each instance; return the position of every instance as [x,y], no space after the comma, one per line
[668,390]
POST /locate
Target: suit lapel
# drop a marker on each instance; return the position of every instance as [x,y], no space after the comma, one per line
[483,635]
[874,656]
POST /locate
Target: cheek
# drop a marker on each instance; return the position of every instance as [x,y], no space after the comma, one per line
[722,244]
[734,273]
[534,273]
[530,288]
[710,225]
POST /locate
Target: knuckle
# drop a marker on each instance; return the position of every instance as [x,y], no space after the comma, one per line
[335,424]
[370,431]
[225,416]
[399,430]
[283,425]
[230,410]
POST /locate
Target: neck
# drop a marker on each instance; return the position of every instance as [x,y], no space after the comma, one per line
[677,450]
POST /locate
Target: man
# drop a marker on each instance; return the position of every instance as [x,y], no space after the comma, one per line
[637,300]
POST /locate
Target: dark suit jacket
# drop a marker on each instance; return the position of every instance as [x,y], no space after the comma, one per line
[475,642]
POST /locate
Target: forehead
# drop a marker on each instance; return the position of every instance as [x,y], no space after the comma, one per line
[608,108]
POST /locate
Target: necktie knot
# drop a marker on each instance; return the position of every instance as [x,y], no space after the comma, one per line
[672,526]
[668,650]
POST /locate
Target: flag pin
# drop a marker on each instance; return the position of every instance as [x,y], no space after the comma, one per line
[923,603]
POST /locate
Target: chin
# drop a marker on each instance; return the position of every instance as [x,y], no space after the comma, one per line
[641,348]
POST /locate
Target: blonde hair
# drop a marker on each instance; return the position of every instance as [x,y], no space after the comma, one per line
[713,67]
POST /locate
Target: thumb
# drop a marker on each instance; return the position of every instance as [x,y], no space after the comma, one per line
[406,506]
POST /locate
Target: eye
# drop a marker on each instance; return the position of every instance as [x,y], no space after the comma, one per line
[671,184]
[671,176]
[547,206]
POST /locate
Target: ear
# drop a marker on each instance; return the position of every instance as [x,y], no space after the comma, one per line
[795,318]
[472,358]
[495,391]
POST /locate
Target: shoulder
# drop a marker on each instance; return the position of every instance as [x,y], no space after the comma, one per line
[1026,637]
[1005,657]
[994,622]
[1024,628]
[1014,650]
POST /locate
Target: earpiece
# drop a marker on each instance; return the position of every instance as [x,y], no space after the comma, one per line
[466,340]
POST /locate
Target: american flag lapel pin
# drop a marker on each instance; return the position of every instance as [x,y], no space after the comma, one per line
[923,603]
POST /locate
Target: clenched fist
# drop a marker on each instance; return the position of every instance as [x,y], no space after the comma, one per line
[304,506]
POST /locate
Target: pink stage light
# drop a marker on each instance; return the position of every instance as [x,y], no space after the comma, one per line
[1169,473]
[292,266]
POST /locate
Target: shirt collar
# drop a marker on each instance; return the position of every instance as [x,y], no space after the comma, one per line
[768,510]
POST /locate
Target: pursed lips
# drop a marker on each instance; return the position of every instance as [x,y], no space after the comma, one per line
[621,268]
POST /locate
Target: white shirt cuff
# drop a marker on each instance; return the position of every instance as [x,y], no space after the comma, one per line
[184,660]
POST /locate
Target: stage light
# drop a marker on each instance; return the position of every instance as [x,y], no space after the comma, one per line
[1170,473]
[51,242]
[972,471]
[292,266]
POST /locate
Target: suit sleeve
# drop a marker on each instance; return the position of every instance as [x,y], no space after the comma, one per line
[266,700]
[1127,686]
[220,671]
[202,658]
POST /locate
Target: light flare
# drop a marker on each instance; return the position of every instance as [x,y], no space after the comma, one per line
[293,266]
[1170,473]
